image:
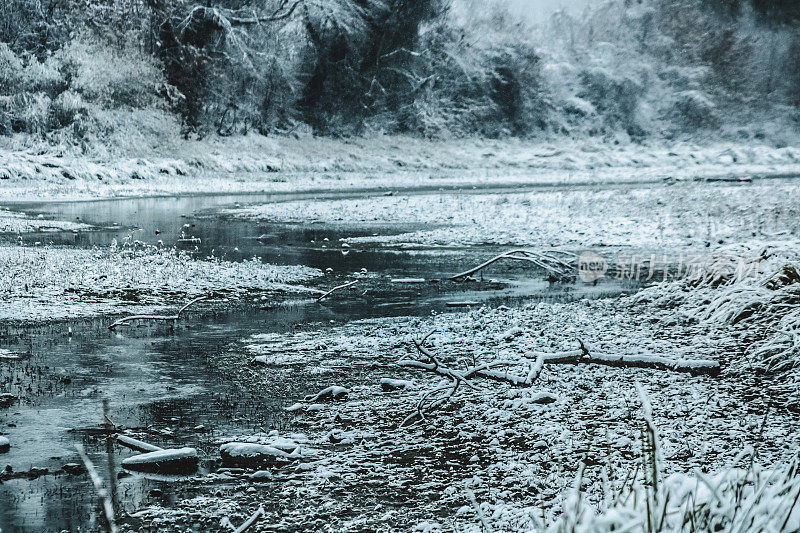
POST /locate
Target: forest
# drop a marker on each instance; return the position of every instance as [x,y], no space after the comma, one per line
[80,72]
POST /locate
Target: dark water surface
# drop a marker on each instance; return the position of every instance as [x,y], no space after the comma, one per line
[160,381]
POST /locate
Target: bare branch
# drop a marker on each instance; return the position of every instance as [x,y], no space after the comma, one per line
[548,262]
[343,286]
[173,318]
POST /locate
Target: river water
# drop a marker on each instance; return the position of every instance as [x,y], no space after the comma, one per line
[159,380]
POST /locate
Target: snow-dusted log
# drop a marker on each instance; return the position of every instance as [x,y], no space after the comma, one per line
[343,286]
[548,262]
[584,356]
[169,461]
[174,318]
[135,444]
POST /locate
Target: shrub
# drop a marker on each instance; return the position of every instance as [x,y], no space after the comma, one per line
[68,107]
[614,96]
[693,109]
[43,77]
[110,78]
[31,113]
[10,71]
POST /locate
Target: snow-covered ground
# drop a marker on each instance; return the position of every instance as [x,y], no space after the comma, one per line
[43,283]
[517,454]
[516,449]
[286,164]
[670,216]
[14,222]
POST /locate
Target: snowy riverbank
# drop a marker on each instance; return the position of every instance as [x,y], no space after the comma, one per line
[43,283]
[669,216]
[286,164]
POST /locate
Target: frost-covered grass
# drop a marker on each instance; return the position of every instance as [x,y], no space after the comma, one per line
[753,291]
[743,500]
[44,282]
[257,163]
[678,215]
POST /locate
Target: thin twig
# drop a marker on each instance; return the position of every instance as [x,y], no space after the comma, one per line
[343,286]
[108,509]
[479,512]
[173,318]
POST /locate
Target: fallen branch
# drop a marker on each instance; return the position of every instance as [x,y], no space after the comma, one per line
[433,364]
[343,286]
[421,408]
[483,370]
[135,444]
[582,355]
[174,318]
[490,370]
[226,522]
[550,263]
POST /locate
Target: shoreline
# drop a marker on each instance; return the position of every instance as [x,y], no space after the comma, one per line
[319,166]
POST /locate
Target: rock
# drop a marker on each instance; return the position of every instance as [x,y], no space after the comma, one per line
[389,384]
[169,461]
[544,398]
[5,445]
[336,436]
[73,468]
[6,399]
[246,454]
[36,471]
[282,443]
[261,475]
[330,393]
